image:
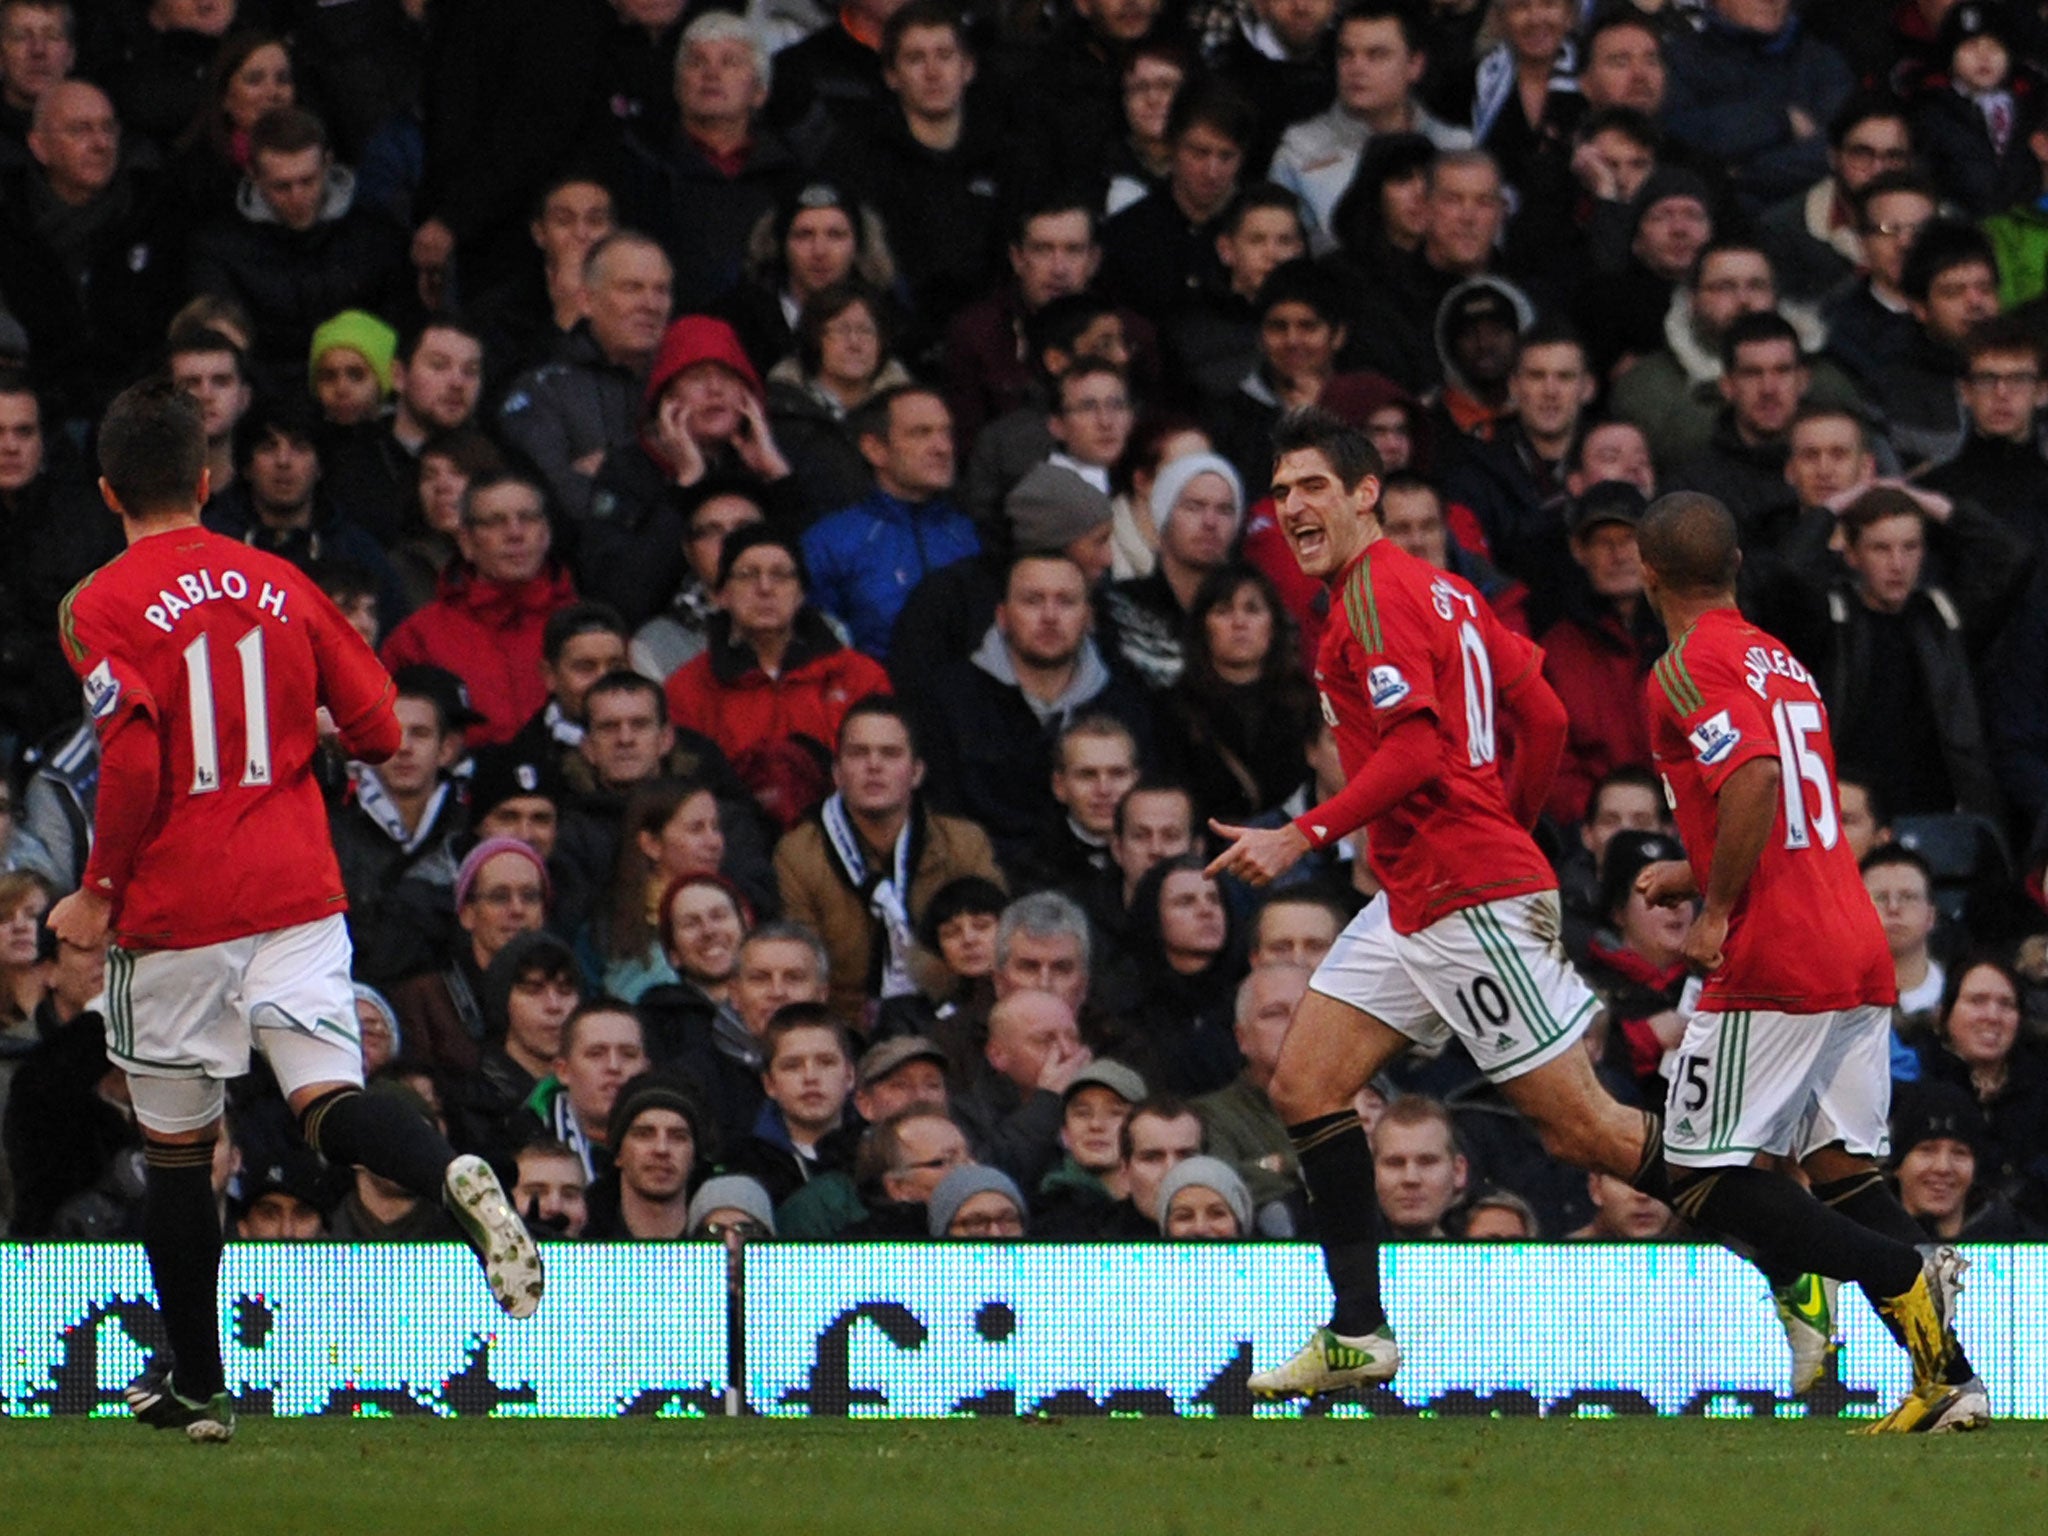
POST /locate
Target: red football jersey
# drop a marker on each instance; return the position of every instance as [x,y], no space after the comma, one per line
[224,654]
[1406,638]
[1804,938]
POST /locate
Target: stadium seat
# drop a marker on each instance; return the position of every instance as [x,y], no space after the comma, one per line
[1964,851]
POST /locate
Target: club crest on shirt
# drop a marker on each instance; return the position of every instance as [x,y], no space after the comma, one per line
[102,691]
[1386,686]
[1714,738]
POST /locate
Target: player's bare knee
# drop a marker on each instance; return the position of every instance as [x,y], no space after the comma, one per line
[1299,1096]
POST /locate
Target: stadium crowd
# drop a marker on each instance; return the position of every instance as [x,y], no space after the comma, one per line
[804,470]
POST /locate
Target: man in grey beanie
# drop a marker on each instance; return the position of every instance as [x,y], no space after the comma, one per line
[1051,510]
[732,1200]
[977,1201]
[1198,501]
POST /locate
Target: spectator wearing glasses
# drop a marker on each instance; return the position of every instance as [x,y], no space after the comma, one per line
[1999,466]
[486,621]
[501,891]
[1813,237]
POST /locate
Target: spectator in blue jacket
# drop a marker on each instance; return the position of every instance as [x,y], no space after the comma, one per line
[1749,85]
[864,559]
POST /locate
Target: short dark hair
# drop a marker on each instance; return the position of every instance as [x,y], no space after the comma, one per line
[1159,1106]
[1689,539]
[287,414]
[1821,410]
[924,13]
[965,895]
[876,706]
[1612,15]
[1060,200]
[192,340]
[1261,196]
[791,1017]
[574,176]
[469,449]
[1632,124]
[152,448]
[1348,451]
[1087,368]
[15,381]
[1036,557]
[1302,281]
[1063,321]
[1215,105]
[582,618]
[2002,333]
[1413,31]
[413,334]
[1884,855]
[1862,108]
[1877,504]
[342,580]
[1942,246]
[504,475]
[1552,331]
[754,536]
[1150,786]
[1721,245]
[590,1007]
[1406,482]
[1629,776]
[625,680]
[286,131]
[876,416]
[1764,325]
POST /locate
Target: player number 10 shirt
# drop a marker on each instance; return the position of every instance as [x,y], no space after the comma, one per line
[1405,638]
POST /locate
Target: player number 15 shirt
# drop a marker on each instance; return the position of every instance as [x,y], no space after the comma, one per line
[1804,937]
[222,654]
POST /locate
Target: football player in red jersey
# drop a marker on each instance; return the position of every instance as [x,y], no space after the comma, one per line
[1788,1054]
[1414,673]
[206,665]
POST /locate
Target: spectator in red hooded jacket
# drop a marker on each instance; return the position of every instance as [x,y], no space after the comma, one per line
[703,414]
[490,606]
[775,680]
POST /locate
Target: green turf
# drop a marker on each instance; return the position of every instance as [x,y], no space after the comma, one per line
[1092,1478]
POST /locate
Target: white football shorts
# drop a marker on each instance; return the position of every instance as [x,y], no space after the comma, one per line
[188,1017]
[1495,976]
[1785,1083]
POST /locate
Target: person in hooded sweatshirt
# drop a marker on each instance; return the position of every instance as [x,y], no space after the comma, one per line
[1180,1034]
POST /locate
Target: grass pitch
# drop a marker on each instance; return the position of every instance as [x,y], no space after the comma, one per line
[1076,1478]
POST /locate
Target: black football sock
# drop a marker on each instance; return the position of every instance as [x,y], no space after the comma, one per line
[1776,1216]
[181,1235]
[1652,1176]
[1866,1200]
[354,1129]
[1336,1167]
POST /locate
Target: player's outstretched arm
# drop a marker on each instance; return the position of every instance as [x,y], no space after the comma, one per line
[1747,811]
[1541,729]
[1407,758]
